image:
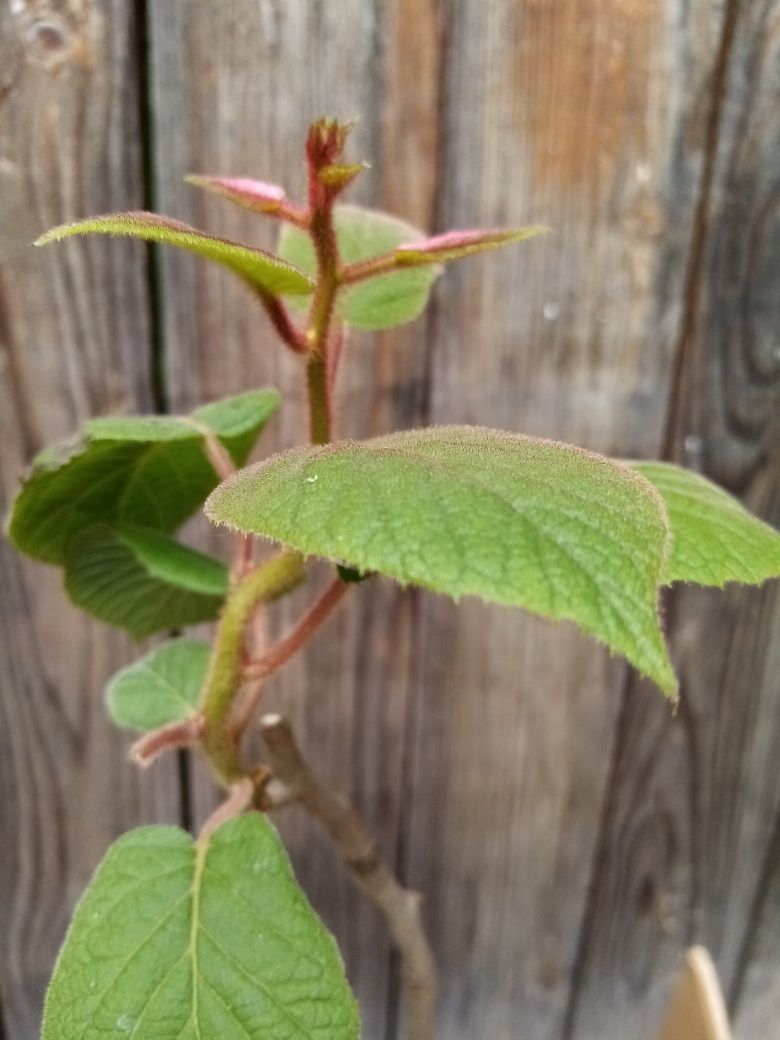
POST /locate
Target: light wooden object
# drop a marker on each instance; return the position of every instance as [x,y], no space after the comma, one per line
[697,1010]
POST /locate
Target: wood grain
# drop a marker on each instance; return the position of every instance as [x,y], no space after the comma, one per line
[571,834]
[73,341]
[688,849]
[571,338]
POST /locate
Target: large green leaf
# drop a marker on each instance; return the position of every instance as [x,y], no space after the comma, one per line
[714,539]
[142,580]
[468,511]
[212,940]
[162,687]
[259,269]
[149,470]
[392,299]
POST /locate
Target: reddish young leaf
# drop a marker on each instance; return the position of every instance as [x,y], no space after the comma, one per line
[261,270]
[244,191]
[454,244]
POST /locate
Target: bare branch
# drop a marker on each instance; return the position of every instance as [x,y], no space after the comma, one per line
[293,780]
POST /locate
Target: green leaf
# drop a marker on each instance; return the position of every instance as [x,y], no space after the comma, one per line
[162,687]
[453,245]
[257,268]
[468,511]
[148,470]
[238,421]
[391,299]
[139,579]
[714,538]
[207,940]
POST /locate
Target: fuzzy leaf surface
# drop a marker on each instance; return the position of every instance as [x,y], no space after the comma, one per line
[259,269]
[383,302]
[160,688]
[183,940]
[454,245]
[714,538]
[468,511]
[148,470]
[142,580]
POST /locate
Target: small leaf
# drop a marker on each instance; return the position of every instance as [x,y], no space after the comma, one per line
[468,511]
[339,176]
[183,940]
[456,244]
[139,579]
[149,470]
[714,538]
[162,687]
[244,191]
[259,269]
[385,301]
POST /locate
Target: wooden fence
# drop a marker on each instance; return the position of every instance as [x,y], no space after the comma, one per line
[571,833]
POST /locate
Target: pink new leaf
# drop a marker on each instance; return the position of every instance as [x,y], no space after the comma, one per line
[455,244]
[261,270]
[257,196]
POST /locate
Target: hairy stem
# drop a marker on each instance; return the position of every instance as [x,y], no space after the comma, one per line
[293,781]
[174,735]
[323,236]
[281,652]
[239,799]
[320,408]
[273,579]
[284,325]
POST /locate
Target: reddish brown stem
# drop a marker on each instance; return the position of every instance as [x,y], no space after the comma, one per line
[285,327]
[175,735]
[273,659]
[291,214]
[218,455]
[239,799]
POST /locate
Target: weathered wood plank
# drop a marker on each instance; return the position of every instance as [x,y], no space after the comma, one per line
[688,850]
[570,338]
[73,341]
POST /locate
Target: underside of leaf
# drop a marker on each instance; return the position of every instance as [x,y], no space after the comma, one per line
[148,470]
[141,580]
